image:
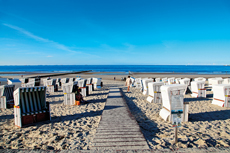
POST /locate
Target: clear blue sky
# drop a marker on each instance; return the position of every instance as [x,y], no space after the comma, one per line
[155,32]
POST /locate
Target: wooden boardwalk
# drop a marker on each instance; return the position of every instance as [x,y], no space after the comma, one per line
[118,129]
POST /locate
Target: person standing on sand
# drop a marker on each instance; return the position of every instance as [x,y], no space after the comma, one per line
[128,83]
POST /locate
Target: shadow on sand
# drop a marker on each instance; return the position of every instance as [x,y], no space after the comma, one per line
[210,116]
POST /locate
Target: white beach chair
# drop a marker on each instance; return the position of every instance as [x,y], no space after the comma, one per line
[172,97]
[43,80]
[154,92]
[17,83]
[217,81]
[29,84]
[138,83]
[71,80]
[210,81]
[51,85]
[47,82]
[214,81]
[23,80]
[165,81]
[226,81]
[199,79]
[82,86]
[97,83]
[186,81]
[32,81]
[158,80]
[178,80]
[145,85]
[69,95]
[67,87]
[30,106]
[171,80]
[64,80]
[132,81]
[221,95]
[89,85]
[58,83]
[198,89]
[89,81]
[6,96]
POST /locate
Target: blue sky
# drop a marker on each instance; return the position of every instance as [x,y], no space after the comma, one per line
[152,32]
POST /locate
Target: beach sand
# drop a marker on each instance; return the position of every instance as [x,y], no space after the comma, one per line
[74,127]
[71,127]
[208,126]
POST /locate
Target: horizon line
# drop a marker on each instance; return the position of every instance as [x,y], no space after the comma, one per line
[118,64]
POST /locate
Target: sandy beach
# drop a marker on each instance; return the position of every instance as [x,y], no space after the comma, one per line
[71,127]
[208,124]
[74,127]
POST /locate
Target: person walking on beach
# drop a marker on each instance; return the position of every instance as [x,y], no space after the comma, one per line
[128,83]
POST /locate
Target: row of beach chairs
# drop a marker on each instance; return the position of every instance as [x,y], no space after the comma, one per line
[171,90]
[86,86]
[29,102]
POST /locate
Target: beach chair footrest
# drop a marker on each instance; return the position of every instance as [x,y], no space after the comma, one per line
[27,119]
[30,119]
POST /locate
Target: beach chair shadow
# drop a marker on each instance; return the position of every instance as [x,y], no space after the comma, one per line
[57,119]
[114,91]
[152,129]
[2,117]
[54,96]
[209,95]
[98,94]
[111,107]
[56,102]
[195,99]
[113,97]
[96,100]
[210,116]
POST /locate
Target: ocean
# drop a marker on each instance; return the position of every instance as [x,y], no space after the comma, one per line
[197,69]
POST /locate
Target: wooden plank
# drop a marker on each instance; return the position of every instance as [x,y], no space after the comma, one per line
[118,129]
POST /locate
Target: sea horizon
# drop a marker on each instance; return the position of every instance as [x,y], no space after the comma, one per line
[198,69]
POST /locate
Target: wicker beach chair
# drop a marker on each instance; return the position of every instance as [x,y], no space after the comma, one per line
[97,83]
[145,85]
[171,80]
[6,96]
[138,83]
[173,102]
[221,95]
[198,89]
[165,81]
[89,85]
[16,82]
[154,92]
[186,81]
[30,106]
[69,90]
